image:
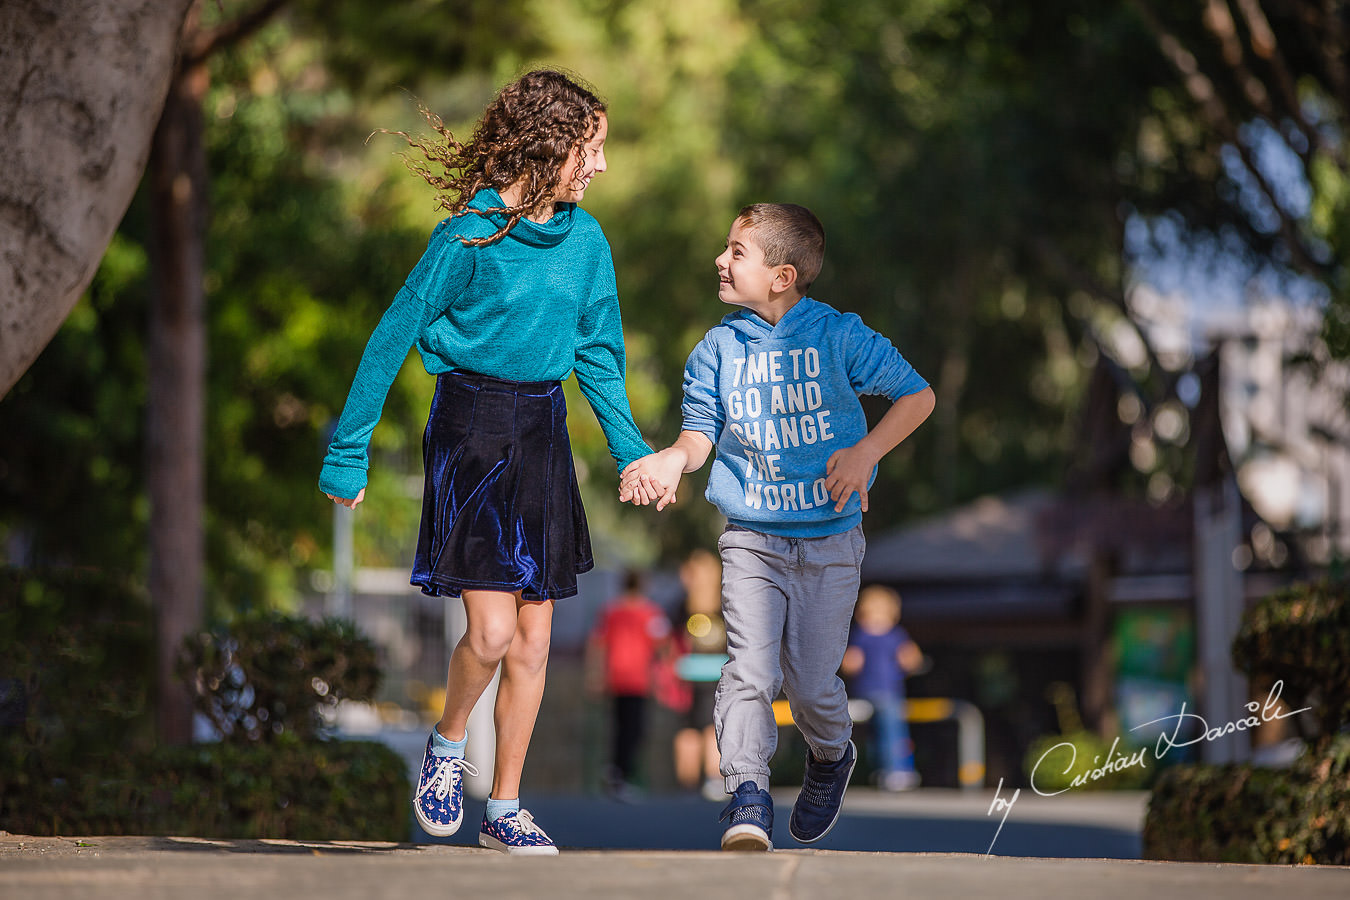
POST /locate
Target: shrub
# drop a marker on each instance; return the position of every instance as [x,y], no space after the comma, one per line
[1062,768]
[271,674]
[1301,636]
[76,669]
[1240,813]
[312,790]
[77,743]
[1243,814]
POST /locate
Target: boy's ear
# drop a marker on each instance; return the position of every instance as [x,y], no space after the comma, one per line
[786,279]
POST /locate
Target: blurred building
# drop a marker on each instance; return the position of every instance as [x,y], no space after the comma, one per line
[1127,581]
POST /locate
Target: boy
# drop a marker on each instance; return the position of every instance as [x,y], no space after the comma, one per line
[880,655]
[774,387]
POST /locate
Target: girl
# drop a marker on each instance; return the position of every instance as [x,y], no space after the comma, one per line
[515,290]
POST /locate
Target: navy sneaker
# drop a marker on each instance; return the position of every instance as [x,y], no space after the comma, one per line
[817,806]
[749,818]
[439,800]
[516,833]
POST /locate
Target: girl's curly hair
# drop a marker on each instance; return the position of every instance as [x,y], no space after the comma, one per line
[525,134]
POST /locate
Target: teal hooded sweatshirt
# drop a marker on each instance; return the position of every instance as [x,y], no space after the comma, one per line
[537,305]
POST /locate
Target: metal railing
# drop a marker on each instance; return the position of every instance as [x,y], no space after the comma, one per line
[923,710]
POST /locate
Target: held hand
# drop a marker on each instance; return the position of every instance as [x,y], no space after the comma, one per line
[350,503]
[654,477]
[847,471]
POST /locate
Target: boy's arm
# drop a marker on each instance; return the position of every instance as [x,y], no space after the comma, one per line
[657,476]
[909,656]
[849,469]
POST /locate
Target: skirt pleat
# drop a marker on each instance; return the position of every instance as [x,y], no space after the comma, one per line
[501,508]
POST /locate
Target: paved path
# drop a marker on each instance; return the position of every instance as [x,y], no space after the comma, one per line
[1089,824]
[149,868]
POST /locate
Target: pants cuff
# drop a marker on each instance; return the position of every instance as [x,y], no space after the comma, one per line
[735,780]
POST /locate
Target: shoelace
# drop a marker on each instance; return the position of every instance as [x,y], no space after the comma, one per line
[525,822]
[815,792]
[739,812]
[746,814]
[444,776]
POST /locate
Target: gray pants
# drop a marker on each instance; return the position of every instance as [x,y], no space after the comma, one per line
[787,603]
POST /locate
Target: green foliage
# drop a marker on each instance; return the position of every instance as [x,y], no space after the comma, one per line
[1301,636]
[1242,814]
[331,790]
[269,675]
[1061,768]
[77,650]
[978,166]
[77,747]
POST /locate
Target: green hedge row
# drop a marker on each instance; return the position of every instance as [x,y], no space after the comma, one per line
[1241,813]
[1245,814]
[1301,636]
[314,790]
[77,745]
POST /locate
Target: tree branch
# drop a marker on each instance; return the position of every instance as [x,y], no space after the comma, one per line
[204,42]
[1202,91]
[1266,46]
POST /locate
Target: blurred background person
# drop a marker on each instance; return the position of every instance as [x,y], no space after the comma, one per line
[622,655]
[880,655]
[700,637]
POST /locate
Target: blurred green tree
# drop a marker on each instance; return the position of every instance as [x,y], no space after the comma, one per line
[980,166]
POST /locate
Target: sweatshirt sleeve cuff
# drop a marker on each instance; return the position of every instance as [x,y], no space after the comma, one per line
[342,481]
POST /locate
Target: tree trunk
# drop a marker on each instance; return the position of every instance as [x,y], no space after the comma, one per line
[81,87]
[175,414]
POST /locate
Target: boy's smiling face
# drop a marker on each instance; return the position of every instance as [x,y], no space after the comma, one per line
[743,278]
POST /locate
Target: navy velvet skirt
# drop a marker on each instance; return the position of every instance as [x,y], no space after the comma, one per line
[501,509]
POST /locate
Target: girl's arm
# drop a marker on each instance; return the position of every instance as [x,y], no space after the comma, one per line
[599,368]
[443,273]
[344,468]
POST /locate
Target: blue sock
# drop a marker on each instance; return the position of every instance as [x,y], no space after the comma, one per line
[498,808]
[443,746]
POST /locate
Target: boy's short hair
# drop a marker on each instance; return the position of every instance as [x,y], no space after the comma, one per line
[788,234]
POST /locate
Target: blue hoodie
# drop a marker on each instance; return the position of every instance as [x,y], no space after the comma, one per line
[777,401]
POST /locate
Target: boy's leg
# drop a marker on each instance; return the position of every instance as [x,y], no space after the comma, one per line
[822,590]
[887,724]
[754,608]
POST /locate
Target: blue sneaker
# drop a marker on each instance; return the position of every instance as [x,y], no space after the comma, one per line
[817,806]
[749,818]
[439,800]
[517,834]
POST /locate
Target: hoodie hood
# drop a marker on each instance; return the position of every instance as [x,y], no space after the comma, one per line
[805,315]
[535,234]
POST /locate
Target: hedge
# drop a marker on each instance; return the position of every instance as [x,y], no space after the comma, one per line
[77,744]
[1301,636]
[325,790]
[1244,814]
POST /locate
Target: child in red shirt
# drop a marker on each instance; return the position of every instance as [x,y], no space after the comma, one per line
[628,636]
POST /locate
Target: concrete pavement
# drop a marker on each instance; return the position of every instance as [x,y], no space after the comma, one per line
[150,868]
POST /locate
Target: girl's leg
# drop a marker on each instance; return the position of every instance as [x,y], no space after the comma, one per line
[519,692]
[490,633]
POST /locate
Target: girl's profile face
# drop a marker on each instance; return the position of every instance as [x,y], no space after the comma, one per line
[583,164]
